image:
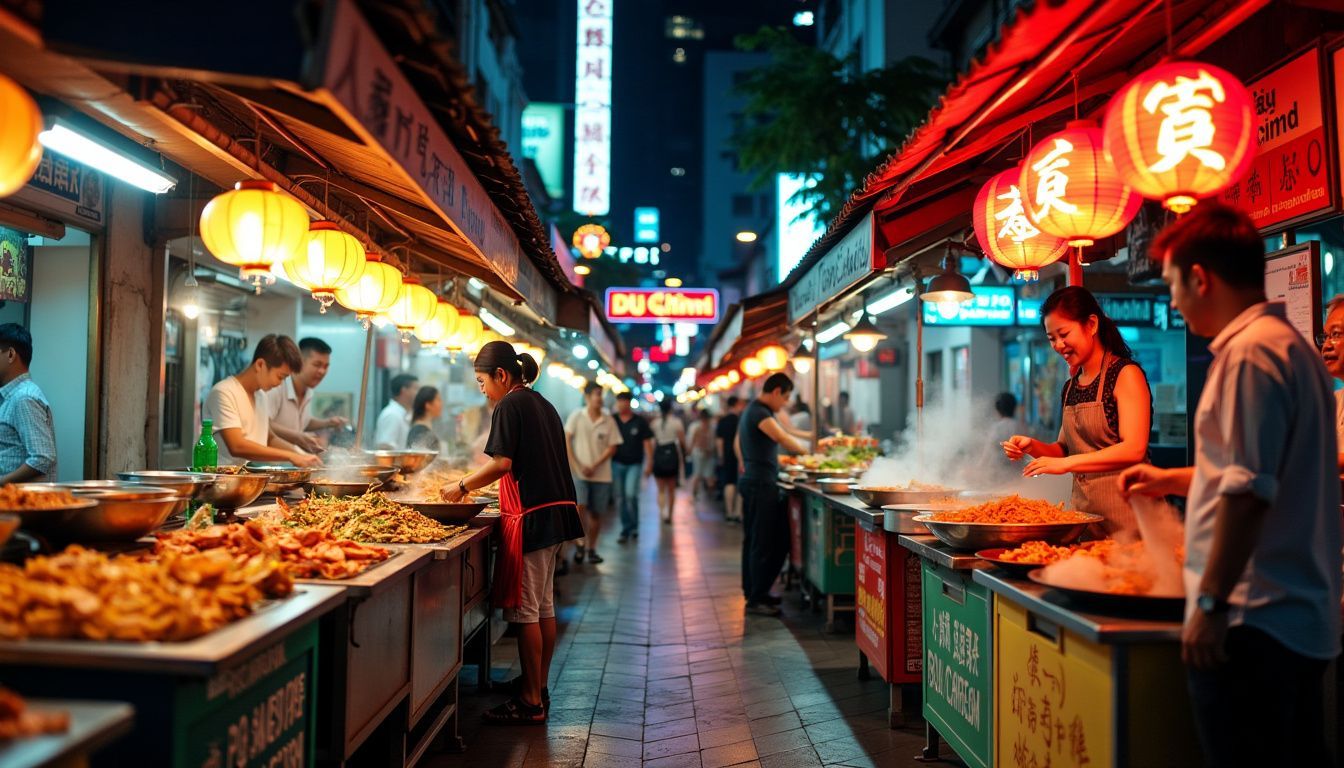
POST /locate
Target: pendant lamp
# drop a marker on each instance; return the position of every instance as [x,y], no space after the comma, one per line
[415,304]
[374,292]
[332,259]
[865,335]
[254,226]
[20,151]
[773,357]
[1072,190]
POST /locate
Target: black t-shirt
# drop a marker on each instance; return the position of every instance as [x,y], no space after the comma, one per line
[633,432]
[526,429]
[760,453]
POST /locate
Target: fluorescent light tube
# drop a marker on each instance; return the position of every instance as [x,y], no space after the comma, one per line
[64,140]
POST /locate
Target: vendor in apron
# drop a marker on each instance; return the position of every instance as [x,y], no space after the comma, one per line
[1107,410]
[538,513]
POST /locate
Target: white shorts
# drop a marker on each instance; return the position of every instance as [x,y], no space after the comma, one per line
[538,601]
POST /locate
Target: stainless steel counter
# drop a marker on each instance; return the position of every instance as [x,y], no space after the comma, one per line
[846,503]
[93,724]
[1100,628]
[200,657]
[932,549]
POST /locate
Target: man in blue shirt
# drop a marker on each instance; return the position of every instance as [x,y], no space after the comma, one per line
[27,431]
[765,522]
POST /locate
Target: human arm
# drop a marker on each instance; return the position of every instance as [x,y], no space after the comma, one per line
[1147,480]
[33,422]
[775,431]
[301,440]
[648,457]
[239,446]
[492,470]
[1134,404]
[737,450]
[334,422]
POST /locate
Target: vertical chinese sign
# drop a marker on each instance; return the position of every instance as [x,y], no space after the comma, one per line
[1290,177]
[592,113]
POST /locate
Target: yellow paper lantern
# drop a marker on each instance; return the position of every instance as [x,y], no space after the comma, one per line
[20,151]
[732,377]
[773,357]
[254,226]
[414,306]
[752,368]
[373,293]
[438,327]
[468,334]
[333,259]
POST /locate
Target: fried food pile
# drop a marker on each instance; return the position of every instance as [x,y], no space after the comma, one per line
[16,721]
[1044,553]
[15,496]
[1012,510]
[80,593]
[1112,566]
[222,469]
[304,553]
[371,517]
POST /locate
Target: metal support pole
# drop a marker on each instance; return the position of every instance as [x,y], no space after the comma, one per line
[816,385]
[364,388]
[1076,266]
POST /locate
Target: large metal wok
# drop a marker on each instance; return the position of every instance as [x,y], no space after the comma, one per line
[1166,606]
[973,537]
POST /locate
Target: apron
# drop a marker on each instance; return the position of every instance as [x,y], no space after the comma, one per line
[1085,429]
[508,587]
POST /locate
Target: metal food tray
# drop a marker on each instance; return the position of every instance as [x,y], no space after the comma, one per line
[1169,606]
[977,536]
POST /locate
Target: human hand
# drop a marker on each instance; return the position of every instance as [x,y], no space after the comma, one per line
[648,472]
[310,443]
[336,422]
[1202,640]
[1046,465]
[304,460]
[1016,447]
[452,494]
[587,471]
[1146,480]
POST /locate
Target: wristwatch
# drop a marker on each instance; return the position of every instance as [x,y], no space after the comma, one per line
[1210,605]
[462,485]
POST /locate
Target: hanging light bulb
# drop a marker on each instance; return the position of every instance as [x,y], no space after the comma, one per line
[949,287]
[802,361]
[254,226]
[332,259]
[374,292]
[192,309]
[864,336]
[752,368]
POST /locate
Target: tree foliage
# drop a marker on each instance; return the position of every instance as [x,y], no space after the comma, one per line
[809,111]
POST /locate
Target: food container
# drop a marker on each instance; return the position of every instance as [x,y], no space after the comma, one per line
[902,521]
[881,496]
[189,484]
[406,462]
[1170,607]
[836,485]
[338,488]
[105,511]
[445,512]
[977,536]
[233,491]
[284,477]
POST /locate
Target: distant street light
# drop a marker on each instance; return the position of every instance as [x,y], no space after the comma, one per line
[746,237]
[803,19]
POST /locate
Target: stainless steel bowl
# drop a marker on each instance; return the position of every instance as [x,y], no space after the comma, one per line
[189,484]
[233,491]
[338,488]
[977,536]
[881,496]
[445,512]
[902,521]
[284,477]
[107,511]
[406,462]
[839,486]
[372,473]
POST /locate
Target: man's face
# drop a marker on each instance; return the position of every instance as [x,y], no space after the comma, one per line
[593,400]
[407,395]
[1187,293]
[315,365]
[271,377]
[1332,346]
[775,399]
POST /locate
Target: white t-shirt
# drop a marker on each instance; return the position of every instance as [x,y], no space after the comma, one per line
[669,430]
[590,439]
[394,426]
[286,408]
[229,407]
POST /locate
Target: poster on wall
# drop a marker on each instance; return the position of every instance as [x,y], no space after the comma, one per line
[1292,275]
[16,266]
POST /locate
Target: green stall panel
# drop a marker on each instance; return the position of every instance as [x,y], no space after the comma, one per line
[830,548]
[958,672]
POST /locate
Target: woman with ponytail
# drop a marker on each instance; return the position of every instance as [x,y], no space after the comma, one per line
[538,514]
[1107,409]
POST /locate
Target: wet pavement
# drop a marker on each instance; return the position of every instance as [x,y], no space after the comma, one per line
[657,665]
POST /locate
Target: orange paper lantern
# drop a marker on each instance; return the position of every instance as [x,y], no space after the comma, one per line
[20,151]
[752,368]
[773,357]
[1072,191]
[1007,235]
[1181,131]
[333,259]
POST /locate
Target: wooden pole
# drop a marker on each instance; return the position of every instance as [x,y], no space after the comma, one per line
[816,385]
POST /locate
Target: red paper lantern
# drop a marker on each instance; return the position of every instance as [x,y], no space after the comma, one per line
[1007,235]
[1181,131]
[1072,191]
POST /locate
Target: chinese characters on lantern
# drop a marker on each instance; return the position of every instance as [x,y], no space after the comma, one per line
[1052,183]
[1187,128]
[1006,232]
[592,113]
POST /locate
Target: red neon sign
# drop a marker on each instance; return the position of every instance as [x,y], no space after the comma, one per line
[662,305]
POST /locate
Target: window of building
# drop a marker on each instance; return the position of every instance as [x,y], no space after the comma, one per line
[933,377]
[961,369]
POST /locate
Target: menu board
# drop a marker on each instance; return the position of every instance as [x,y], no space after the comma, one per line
[1292,275]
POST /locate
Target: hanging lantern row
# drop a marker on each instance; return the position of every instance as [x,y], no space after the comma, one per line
[20,151]
[1177,133]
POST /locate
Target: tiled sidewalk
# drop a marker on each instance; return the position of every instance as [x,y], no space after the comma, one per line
[657,664]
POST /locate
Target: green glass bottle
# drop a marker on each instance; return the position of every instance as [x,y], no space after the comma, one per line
[205,453]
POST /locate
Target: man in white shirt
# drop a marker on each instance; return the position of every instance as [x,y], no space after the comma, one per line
[593,437]
[290,405]
[394,423]
[238,411]
[1262,531]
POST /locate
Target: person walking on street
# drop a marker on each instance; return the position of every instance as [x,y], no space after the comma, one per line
[394,422]
[632,462]
[725,433]
[592,437]
[290,405]
[1262,526]
[27,429]
[765,543]
[669,451]
[538,514]
[236,406]
[702,452]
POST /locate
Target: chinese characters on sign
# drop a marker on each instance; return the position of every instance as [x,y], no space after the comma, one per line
[951,681]
[592,112]
[1290,176]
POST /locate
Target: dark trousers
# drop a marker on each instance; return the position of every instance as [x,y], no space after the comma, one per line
[765,540]
[1264,707]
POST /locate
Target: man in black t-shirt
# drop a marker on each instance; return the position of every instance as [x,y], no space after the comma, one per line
[725,432]
[765,524]
[633,459]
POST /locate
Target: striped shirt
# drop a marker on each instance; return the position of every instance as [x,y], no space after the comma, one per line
[27,430]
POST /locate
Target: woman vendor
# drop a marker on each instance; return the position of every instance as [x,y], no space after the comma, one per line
[538,513]
[1107,409]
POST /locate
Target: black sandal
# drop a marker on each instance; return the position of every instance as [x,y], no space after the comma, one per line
[515,687]
[515,711]
[593,557]
[578,553]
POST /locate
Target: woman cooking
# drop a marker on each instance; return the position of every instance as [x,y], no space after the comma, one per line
[538,513]
[1107,409]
